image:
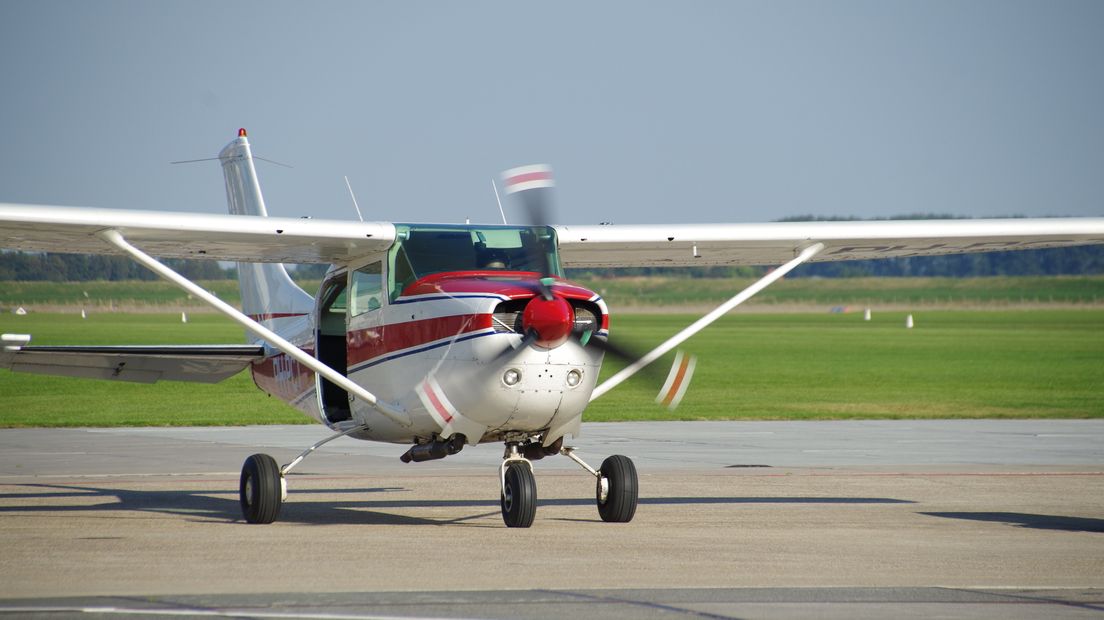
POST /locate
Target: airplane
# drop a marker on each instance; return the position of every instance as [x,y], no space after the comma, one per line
[441,336]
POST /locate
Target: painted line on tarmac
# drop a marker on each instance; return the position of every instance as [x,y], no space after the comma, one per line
[213,613]
[137,475]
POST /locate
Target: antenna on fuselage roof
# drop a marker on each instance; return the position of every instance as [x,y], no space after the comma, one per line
[353,196]
[494,186]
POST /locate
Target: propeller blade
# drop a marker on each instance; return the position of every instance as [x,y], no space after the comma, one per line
[529,339]
[532,187]
[625,353]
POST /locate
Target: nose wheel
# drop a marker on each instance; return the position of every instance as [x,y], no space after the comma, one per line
[519,495]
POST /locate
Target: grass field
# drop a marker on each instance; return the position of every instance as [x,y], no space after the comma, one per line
[1015,363]
[995,292]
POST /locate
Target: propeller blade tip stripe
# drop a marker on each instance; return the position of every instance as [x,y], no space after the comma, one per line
[678,380]
[525,178]
[438,405]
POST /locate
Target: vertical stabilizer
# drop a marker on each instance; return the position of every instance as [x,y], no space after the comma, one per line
[268,294]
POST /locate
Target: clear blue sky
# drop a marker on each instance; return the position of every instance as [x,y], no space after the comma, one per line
[648,111]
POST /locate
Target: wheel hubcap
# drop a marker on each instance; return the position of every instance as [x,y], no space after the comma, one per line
[508,498]
[603,490]
[249,491]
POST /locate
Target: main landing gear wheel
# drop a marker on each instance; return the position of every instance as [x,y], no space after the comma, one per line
[618,489]
[261,489]
[519,495]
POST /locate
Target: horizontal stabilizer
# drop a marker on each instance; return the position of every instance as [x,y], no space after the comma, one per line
[141,364]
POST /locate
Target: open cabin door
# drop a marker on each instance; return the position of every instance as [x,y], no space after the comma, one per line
[332,349]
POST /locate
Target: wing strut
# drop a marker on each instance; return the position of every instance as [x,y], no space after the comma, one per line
[701,323]
[391,411]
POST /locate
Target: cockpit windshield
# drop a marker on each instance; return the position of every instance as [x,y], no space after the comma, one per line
[422,250]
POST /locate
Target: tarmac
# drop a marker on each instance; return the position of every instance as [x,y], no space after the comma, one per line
[958,518]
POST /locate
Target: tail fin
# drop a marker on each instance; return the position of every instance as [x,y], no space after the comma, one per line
[268,294]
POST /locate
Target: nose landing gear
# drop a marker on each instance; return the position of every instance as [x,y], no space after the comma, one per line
[519,488]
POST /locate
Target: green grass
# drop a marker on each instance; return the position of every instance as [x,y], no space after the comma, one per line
[1028,363]
[1017,363]
[993,291]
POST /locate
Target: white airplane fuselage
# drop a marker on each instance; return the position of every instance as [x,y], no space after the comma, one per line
[441,352]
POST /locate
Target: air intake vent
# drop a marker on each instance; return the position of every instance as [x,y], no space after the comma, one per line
[507,316]
[586,317]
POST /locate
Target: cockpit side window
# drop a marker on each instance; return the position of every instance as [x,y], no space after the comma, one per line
[401,274]
[367,284]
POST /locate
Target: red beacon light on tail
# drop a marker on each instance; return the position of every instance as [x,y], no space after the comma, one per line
[241,133]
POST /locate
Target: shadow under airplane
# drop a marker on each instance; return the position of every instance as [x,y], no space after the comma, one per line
[1019,519]
[208,504]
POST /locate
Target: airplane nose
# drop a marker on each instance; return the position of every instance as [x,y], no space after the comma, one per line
[552,319]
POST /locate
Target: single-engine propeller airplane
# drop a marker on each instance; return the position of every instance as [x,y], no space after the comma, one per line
[440,336]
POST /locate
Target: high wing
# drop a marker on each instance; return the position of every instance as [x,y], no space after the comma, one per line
[684,245]
[142,364]
[266,239]
[38,228]
[171,235]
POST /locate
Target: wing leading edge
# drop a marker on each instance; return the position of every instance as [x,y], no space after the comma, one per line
[684,245]
[243,238]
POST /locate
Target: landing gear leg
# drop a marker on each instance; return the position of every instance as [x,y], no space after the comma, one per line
[618,487]
[519,489]
[263,487]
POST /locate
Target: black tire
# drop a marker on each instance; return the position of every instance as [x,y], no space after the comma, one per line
[519,496]
[260,489]
[619,505]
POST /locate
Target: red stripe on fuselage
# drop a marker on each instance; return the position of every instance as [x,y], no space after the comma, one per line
[283,377]
[367,344]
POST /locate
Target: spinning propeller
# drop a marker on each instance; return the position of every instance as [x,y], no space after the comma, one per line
[549,319]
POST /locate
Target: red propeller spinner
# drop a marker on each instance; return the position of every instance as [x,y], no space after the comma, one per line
[552,320]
